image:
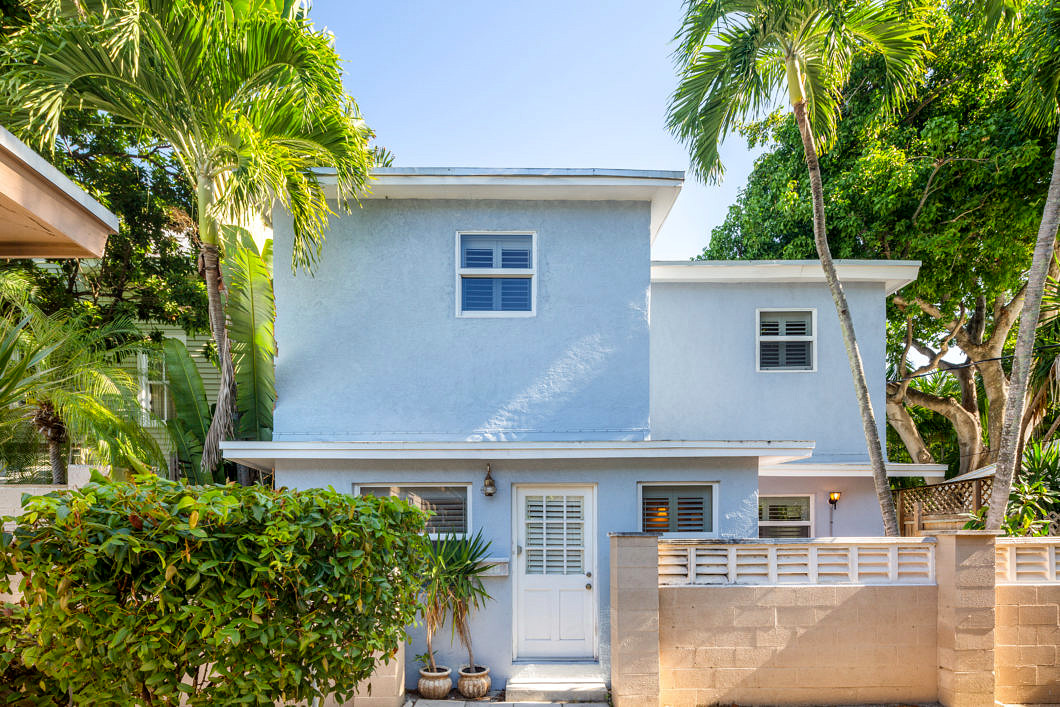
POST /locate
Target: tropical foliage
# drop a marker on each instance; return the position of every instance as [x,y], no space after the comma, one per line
[249,103]
[452,589]
[153,592]
[1034,501]
[736,57]
[955,179]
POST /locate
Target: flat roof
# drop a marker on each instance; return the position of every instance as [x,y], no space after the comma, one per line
[659,187]
[43,214]
[850,469]
[265,454]
[894,274]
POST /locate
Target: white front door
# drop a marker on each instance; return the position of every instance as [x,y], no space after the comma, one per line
[555,589]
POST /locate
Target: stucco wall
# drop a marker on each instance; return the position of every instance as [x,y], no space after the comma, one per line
[1027,651]
[856,515]
[796,645]
[370,347]
[704,383]
[616,510]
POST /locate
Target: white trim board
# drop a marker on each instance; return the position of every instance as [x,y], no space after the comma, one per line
[659,187]
[265,454]
[847,469]
[894,274]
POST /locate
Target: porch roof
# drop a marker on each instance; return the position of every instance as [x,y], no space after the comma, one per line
[847,469]
[263,455]
[42,213]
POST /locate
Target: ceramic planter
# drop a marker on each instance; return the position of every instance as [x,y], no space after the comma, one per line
[474,683]
[435,685]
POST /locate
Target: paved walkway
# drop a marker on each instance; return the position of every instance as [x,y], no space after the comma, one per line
[412,700]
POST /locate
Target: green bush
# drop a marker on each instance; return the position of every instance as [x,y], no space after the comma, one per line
[152,592]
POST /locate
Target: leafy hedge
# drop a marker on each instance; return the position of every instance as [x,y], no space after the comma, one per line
[152,592]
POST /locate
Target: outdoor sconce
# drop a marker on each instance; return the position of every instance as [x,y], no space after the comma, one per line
[833,498]
[488,487]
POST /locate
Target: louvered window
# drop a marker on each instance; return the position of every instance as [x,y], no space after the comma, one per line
[447,505]
[496,274]
[555,534]
[786,340]
[784,516]
[677,509]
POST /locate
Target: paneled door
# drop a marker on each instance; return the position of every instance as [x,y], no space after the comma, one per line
[555,592]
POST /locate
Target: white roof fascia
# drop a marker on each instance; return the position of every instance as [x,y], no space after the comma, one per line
[22,152]
[265,454]
[894,274]
[660,187]
[848,469]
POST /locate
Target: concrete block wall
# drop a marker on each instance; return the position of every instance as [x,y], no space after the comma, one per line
[386,688]
[797,645]
[635,618]
[1027,652]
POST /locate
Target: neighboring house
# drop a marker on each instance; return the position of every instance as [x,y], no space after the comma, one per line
[496,346]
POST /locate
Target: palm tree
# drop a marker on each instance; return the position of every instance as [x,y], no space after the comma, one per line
[1040,100]
[81,390]
[737,57]
[248,96]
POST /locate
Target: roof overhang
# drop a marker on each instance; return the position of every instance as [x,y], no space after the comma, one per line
[894,274]
[659,187]
[264,455]
[850,469]
[42,213]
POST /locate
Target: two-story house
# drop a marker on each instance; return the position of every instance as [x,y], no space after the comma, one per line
[496,346]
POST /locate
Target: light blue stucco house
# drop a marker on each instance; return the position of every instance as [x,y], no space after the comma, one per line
[497,345]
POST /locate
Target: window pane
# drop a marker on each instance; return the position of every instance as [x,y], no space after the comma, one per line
[495,294]
[477,294]
[485,251]
[785,324]
[448,504]
[676,509]
[783,531]
[784,508]
[785,355]
[515,295]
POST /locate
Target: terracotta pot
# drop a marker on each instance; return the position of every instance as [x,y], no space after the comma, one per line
[474,683]
[435,686]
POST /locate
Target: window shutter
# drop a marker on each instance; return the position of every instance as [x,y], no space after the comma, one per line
[555,535]
[676,509]
[784,517]
[778,347]
[448,504]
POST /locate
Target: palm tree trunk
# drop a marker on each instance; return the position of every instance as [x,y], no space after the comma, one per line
[222,424]
[58,461]
[846,325]
[1021,363]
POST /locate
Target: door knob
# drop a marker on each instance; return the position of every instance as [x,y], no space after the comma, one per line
[588,585]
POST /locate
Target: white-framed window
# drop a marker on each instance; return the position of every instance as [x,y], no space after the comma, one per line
[785,516]
[678,508]
[786,340]
[156,402]
[496,273]
[449,504]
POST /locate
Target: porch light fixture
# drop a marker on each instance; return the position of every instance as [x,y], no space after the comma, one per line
[833,498]
[488,487]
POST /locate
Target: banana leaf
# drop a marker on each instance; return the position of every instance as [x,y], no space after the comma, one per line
[189,427]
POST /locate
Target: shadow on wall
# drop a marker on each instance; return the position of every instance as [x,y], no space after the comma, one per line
[570,373]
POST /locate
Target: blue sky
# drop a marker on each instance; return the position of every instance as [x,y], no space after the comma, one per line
[541,83]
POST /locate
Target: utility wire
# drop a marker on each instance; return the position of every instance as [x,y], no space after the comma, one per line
[968,364]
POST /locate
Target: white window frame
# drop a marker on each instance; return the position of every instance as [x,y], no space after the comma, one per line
[523,273]
[813,516]
[714,505]
[427,484]
[142,376]
[759,339]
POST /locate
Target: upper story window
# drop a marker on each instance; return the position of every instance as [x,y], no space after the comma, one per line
[684,508]
[495,274]
[787,340]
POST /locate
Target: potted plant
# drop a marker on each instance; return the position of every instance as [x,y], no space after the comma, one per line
[452,589]
[467,595]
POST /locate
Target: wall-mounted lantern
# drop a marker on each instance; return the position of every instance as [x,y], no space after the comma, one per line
[488,487]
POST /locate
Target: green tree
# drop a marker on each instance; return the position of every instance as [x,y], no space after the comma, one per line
[157,593]
[945,180]
[250,103]
[737,56]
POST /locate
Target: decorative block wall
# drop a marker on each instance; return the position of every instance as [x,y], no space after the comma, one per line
[1028,644]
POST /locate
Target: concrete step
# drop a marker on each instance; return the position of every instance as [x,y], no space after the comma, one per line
[556,682]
